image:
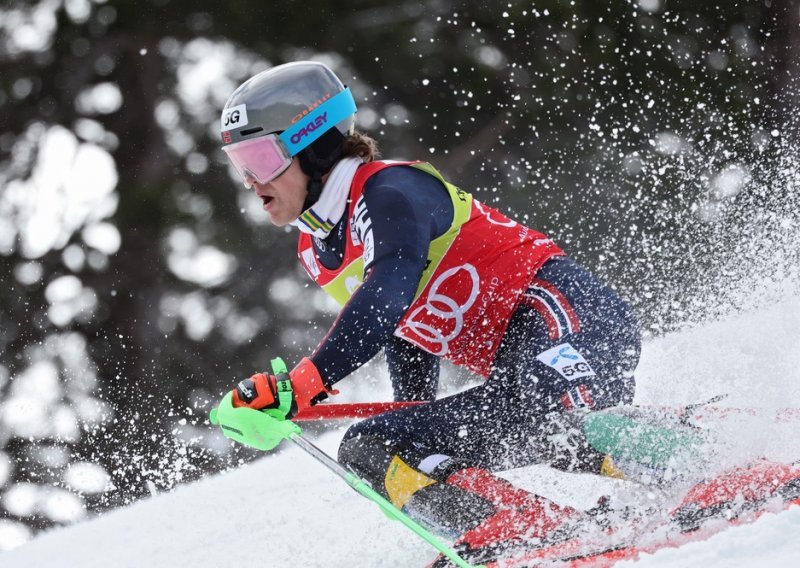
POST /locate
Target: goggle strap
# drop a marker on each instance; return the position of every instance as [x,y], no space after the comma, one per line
[330,113]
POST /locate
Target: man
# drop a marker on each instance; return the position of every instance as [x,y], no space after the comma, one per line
[425,272]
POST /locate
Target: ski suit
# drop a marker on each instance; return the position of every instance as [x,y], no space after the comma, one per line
[425,271]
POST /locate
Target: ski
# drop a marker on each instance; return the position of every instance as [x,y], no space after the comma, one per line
[580,554]
[730,499]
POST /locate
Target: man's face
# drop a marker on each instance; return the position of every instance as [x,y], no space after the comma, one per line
[284,196]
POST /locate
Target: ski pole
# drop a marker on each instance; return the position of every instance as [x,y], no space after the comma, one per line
[361,486]
[266,429]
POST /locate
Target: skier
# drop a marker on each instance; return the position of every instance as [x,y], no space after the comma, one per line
[425,271]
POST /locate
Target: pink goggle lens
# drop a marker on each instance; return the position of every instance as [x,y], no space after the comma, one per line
[262,158]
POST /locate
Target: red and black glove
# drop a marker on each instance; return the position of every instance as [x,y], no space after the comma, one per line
[261,390]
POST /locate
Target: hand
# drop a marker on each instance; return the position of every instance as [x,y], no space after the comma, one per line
[255,412]
[289,393]
[260,392]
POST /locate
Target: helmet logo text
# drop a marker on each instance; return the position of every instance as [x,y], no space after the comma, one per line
[310,127]
[299,116]
[234,117]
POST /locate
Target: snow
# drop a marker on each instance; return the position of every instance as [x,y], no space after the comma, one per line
[770,541]
[282,510]
[286,509]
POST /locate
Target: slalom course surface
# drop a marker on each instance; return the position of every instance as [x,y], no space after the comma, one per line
[286,510]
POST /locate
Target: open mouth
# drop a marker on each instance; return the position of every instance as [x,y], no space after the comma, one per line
[266,199]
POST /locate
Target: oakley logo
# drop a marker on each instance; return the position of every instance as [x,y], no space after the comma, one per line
[441,312]
[310,127]
[234,117]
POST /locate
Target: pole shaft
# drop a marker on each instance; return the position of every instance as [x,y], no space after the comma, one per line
[360,486]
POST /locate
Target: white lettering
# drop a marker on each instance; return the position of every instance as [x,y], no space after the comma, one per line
[362,231]
[487,294]
[504,222]
[247,391]
[445,308]
[310,262]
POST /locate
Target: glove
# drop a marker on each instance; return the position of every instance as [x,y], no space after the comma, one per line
[289,393]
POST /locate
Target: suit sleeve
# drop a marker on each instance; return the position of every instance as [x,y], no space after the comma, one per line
[399,236]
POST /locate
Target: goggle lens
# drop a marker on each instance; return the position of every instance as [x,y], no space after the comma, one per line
[263,158]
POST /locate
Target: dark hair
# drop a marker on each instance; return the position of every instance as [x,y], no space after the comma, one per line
[361,145]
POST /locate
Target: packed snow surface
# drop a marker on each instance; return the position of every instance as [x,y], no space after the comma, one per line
[287,510]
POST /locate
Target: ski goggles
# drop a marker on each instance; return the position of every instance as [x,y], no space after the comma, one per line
[263,158]
[266,157]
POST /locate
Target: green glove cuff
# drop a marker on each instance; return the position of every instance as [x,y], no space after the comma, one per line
[278,366]
[262,430]
[285,395]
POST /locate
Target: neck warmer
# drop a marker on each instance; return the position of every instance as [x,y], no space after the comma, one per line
[320,219]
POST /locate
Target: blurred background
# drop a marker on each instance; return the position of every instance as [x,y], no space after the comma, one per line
[655,140]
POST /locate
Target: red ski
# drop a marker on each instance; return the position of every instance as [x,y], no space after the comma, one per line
[733,498]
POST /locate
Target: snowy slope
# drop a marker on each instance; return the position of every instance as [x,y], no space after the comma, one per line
[286,510]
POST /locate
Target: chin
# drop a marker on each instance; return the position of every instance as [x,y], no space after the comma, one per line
[280,221]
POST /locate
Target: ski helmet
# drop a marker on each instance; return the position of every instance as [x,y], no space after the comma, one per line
[306,104]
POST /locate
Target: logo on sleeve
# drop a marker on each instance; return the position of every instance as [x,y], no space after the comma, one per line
[565,359]
[362,231]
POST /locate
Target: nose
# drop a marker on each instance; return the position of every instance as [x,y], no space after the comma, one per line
[249,180]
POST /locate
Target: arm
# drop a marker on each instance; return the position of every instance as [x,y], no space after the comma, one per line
[414,372]
[401,235]
[404,210]
[363,327]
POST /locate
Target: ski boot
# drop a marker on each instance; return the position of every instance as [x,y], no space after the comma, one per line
[517,521]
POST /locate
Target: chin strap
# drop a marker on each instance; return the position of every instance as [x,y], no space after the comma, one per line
[317,160]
